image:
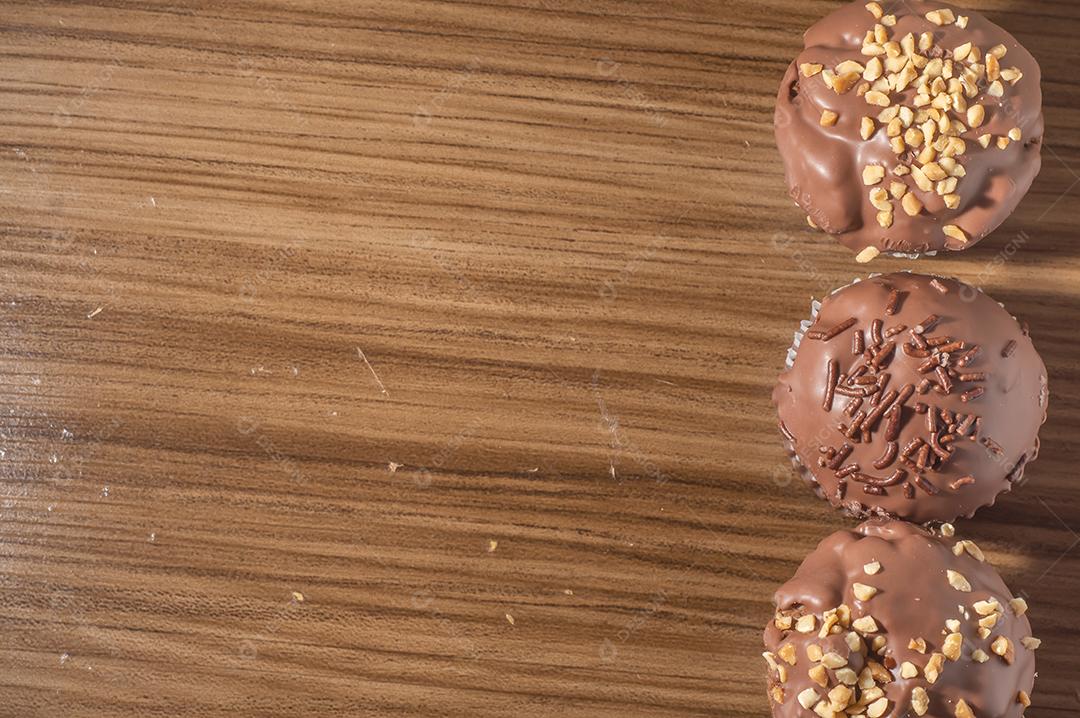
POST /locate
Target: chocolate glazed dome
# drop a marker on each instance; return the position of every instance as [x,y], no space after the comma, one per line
[909,127]
[890,621]
[913,397]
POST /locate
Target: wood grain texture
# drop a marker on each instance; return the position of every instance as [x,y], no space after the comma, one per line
[304,306]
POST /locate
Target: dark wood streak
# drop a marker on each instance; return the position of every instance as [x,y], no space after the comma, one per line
[574,281]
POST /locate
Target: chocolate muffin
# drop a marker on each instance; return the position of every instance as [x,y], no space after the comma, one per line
[890,621]
[909,127]
[912,396]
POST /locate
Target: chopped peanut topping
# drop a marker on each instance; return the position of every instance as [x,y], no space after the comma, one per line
[877,708]
[873,174]
[833,660]
[864,592]
[787,654]
[839,697]
[951,230]
[971,548]
[867,255]
[866,624]
[920,701]
[934,667]
[879,198]
[875,97]
[912,204]
[1003,647]
[952,646]
[963,710]
[956,579]
[941,17]
[976,115]
[847,676]
[1012,75]
[829,118]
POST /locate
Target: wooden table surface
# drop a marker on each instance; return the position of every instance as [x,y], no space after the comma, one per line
[390,357]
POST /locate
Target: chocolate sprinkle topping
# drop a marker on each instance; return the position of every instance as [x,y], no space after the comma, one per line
[893,375]
[893,303]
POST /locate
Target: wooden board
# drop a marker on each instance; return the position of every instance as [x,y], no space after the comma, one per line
[304,306]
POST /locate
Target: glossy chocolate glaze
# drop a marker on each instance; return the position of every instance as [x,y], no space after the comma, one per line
[988,460]
[914,599]
[824,164]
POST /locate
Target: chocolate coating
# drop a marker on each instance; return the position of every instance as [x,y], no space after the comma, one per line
[985,428]
[914,598]
[824,165]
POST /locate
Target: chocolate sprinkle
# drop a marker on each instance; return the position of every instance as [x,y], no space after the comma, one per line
[839,329]
[830,384]
[926,486]
[927,324]
[894,302]
[972,394]
[892,427]
[847,471]
[889,457]
[875,332]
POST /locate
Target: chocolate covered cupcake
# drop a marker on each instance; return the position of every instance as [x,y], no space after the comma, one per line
[890,621]
[909,127]
[912,396]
